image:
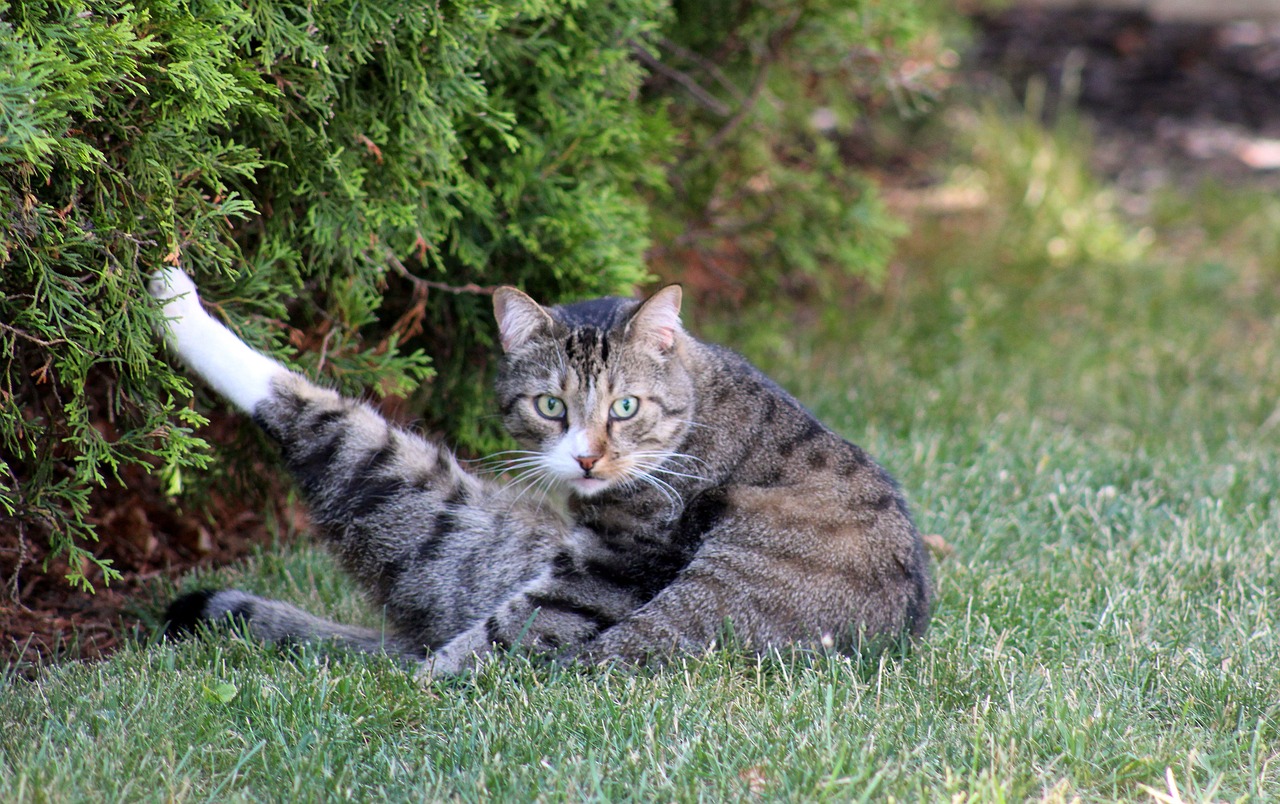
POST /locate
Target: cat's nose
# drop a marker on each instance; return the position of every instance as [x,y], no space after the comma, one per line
[586,461]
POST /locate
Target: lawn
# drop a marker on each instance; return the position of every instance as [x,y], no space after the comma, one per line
[1081,402]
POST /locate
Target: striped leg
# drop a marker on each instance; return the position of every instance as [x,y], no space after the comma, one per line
[437,548]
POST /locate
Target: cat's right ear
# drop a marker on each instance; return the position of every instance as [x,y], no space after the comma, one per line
[520,318]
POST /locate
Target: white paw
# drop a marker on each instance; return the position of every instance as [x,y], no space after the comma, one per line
[173,287]
[445,663]
[238,373]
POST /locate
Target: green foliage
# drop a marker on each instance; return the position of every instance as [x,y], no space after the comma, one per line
[770,99]
[109,162]
[338,177]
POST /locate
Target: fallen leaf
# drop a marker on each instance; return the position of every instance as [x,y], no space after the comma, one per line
[755,777]
[1260,154]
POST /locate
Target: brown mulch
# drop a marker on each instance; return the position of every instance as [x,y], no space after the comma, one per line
[150,539]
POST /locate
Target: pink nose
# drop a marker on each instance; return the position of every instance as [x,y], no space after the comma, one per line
[587,461]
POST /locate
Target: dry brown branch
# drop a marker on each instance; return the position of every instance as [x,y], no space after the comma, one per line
[706,64]
[424,285]
[699,93]
[777,41]
[28,336]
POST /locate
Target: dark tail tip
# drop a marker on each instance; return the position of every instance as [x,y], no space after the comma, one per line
[185,613]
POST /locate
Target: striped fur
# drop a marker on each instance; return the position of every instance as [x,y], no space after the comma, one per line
[666,491]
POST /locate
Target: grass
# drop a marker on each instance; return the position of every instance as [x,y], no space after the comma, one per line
[1082,404]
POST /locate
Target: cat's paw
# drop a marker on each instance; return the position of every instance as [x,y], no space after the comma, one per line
[459,655]
[173,288]
[437,666]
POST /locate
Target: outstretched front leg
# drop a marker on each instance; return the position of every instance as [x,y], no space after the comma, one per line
[231,367]
[435,548]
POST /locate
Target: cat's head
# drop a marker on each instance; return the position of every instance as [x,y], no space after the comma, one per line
[598,390]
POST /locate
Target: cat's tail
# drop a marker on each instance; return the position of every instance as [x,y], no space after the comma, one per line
[278,622]
[239,374]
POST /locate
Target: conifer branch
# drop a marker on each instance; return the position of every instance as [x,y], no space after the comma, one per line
[28,336]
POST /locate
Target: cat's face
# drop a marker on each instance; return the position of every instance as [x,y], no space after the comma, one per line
[596,391]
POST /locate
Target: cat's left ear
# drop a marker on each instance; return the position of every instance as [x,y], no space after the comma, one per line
[519,317]
[657,320]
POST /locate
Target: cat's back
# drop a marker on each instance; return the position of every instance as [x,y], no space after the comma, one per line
[812,517]
[768,437]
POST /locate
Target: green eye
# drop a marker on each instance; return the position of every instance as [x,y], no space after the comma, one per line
[549,407]
[624,408]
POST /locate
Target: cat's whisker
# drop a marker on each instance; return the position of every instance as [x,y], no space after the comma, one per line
[546,489]
[508,452]
[691,423]
[637,472]
[504,472]
[674,501]
[497,457]
[526,483]
[674,473]
[669,456]
[512,464]
[664,484]
[534,456]
[645,460]
[526,471]
[635,478]
[531,480]
[496,470]
[651,469]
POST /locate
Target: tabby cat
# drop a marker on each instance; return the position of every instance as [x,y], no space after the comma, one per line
[699,501]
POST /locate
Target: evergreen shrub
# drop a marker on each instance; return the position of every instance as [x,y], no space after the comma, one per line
[345,180]
[339,177]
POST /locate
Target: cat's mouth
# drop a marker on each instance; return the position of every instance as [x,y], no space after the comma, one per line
[588,485]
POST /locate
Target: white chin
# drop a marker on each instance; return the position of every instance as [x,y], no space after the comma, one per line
[587,486]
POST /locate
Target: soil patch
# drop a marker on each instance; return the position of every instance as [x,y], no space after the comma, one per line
[1170,102]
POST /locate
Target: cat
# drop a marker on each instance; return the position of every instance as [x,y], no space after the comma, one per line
[701,502]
